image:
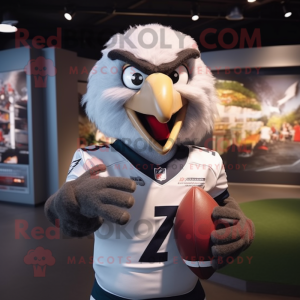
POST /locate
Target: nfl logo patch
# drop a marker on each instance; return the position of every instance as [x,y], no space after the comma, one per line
[160,173]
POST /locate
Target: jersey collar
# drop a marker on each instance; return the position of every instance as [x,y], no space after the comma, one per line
[172,167]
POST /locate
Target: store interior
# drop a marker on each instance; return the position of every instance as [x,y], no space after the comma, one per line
[48,52]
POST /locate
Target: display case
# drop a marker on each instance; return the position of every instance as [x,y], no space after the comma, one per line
[22,155]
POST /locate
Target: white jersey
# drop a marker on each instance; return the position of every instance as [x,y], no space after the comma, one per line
[140,260]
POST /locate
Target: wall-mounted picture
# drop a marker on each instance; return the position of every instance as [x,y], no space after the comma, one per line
[258,127]
[13,118]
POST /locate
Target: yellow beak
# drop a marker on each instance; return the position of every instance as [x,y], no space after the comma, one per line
[158,98]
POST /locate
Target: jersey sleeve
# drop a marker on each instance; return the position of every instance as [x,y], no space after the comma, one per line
[219,192]
[77,166]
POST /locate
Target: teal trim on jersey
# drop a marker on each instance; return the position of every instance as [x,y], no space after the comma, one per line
[172,166]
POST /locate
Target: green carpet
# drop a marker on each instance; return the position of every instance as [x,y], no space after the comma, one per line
[276,247]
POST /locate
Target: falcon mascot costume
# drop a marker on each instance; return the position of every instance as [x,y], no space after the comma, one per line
[152,93]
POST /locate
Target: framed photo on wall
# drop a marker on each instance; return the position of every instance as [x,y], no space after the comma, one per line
[257,132]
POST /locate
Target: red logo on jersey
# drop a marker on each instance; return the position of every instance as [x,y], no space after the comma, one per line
[160,173]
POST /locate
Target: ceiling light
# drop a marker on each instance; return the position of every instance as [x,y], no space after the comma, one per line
[235,15]
[8,23]
[69,14]
[251,1]
[195,13]
[195,17]
[7,28]
[286,12]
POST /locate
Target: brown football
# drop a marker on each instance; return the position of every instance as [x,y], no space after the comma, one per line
[192,228]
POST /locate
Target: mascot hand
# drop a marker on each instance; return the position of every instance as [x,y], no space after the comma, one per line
[234,232]
[82,205]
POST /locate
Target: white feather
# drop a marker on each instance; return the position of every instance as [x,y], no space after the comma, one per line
[106,93]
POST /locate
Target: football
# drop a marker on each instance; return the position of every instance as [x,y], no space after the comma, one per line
[192,229]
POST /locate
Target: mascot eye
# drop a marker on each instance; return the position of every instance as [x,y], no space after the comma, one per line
[180,75]
[133,78]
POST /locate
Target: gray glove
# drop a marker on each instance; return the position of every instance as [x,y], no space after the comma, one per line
[234,232]
[83,204]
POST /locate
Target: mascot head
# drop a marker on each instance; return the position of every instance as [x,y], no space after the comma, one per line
[151,85]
